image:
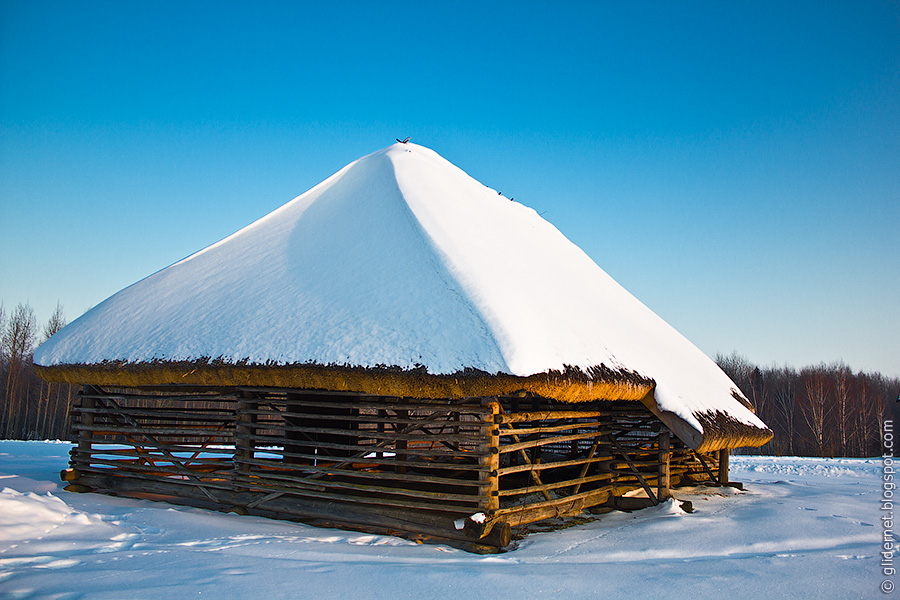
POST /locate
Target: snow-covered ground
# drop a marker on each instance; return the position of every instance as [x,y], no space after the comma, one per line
[803,528]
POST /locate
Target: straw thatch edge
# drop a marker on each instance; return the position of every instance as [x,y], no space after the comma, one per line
[569,385]
[719,430]
[724,431]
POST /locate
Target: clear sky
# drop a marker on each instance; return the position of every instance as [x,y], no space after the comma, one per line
[736,166]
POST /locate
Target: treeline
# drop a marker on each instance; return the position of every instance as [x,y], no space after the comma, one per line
[821,410]
[32,409]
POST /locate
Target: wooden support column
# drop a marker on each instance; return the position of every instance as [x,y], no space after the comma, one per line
[663,490]
[86,432]
[723,466]
[245,421]
[401,446]
[490,451]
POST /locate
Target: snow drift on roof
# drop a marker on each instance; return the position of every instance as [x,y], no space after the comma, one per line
[400,259]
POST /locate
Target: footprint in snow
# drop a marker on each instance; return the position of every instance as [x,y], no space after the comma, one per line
[123,541]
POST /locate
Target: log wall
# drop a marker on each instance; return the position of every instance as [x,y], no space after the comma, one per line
[421,466]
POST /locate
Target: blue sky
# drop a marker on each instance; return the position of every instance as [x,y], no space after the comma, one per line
[734,165]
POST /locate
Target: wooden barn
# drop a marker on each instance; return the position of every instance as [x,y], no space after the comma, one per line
[398,349]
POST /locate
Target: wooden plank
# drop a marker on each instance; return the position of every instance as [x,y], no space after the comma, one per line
[388,462]
[547,441]
[598,495]
[143,481]
[275,466]
[373,434]
[278,441]
[424,519]
[699,456]
[555,486]
[552,465]
[374,419]
[551,428]
[304,400]
[548,415]
[166,414]
[467,507]
[586,466]
[260,477]
[188,398]
[535,475]
[634,469]
[102,428]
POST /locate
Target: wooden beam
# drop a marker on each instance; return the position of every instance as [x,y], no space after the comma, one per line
[663,490]
[723,466]
[490,477]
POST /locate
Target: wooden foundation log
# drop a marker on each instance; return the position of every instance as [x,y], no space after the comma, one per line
[443,525]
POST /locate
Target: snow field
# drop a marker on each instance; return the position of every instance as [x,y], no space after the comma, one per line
[803,528]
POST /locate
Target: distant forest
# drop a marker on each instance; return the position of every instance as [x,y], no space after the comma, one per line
[820,410]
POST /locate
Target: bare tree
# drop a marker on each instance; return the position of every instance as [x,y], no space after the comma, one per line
[814,405]
[4,372]
[50,392]
[865,414]
[841,375]
[57,321]
[18,341]
[785,403]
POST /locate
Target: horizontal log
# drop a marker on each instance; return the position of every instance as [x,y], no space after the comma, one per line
[428,521]
[186,398]
[103,448]
[373,475]
[548,415]
[551,440]
[282,478]
[396,501]
[551,428]
[391,461]
[554,486]
[280,441]
[163,470]
[628,503]
[373,419]
[529,513]
[162,413]
[148,478]
[551,465]
[372,434]
[160,458]
[305,400]
[103,428]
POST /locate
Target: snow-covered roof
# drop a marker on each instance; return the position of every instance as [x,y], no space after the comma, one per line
[401,261]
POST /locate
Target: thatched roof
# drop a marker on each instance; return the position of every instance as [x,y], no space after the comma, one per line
[401,275]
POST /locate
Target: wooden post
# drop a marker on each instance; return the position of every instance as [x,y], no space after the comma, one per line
[244,446]
[663,485]
[87,431]
[401,445]
[723,466]
[490,449]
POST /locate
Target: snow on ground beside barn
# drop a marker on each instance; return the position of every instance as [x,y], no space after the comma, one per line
[803,528]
